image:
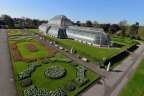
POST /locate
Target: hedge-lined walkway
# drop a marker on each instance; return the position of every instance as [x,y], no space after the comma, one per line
[115,82]
[7,82]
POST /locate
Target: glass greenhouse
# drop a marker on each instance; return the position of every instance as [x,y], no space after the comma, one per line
[61,27]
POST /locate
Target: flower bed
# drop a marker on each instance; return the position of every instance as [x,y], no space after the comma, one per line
[16,55]
[27,72]
[13,46]
[26,83]
[52,52]
[61,60]
[34,91]
[55,72]
[69,87]
[39,42]
[31,47]
[28,60]
[81,78]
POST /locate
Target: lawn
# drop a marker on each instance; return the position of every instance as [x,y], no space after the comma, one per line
[38,76]
[135,86]
[94,52]
[26,54]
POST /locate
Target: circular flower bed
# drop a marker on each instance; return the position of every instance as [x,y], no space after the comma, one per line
[55,72]
[70,87]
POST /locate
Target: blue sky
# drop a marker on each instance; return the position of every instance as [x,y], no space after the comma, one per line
[103,11]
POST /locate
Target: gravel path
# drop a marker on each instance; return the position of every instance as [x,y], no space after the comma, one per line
[7,82]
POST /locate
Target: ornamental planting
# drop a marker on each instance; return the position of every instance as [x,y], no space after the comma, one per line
[16,55]
[81,78]
[13,45]
[55,72]
[34,91]
[31,47]
[27,72]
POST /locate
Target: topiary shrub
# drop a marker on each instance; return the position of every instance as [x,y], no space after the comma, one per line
[45,62]
[70,87]
[55,72]
[26,83]
[74,64]
[40,58]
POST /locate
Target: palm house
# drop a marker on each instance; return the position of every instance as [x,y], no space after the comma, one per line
[61,27]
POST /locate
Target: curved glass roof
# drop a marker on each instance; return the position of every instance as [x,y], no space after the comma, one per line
[62,27]
[60,21]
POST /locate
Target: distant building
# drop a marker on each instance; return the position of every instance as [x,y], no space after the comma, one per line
[62,27]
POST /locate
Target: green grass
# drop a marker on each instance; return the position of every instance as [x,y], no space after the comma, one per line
[93,51]
[27,54]
[135,86]
[38,77]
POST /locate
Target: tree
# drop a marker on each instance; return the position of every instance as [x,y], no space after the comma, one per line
[113,28]
[123,23]
[105,27]
[78,23]
[8,21]
[141,32]
[133,31]
[88,23]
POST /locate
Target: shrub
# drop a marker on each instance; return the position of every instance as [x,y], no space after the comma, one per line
[40,58]
[16,55]
[31,47]
[61,60]
[55,72]
[45,62]
[70,87]
[27,72]
[26,83]
[74,64]
[34,91]
[81,78]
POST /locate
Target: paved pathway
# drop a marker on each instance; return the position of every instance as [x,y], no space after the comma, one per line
[7,82]
[113,84]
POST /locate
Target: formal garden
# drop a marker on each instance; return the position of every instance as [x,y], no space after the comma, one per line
[96,55]
[40,70]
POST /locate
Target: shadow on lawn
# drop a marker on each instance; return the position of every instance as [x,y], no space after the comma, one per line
[118,45]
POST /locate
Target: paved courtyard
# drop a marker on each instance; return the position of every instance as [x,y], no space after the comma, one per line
[7,82]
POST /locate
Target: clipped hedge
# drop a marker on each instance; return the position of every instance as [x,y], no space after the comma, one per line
[27,72]
[34,91]
[26,83]
[70,87]
[81,78]
[61,60]
[74,64]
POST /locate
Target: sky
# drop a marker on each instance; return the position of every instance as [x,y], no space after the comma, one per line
[102,11]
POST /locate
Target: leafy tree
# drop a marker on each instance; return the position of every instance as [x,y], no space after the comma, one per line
[133,31]
[78,23]
[8,21]
[113,28]
[88,23]
[141,32]
[105,27]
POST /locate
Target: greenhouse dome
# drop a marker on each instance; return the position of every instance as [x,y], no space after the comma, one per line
[62,27]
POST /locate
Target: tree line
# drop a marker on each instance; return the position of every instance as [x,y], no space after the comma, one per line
[134,31]
[23,22]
